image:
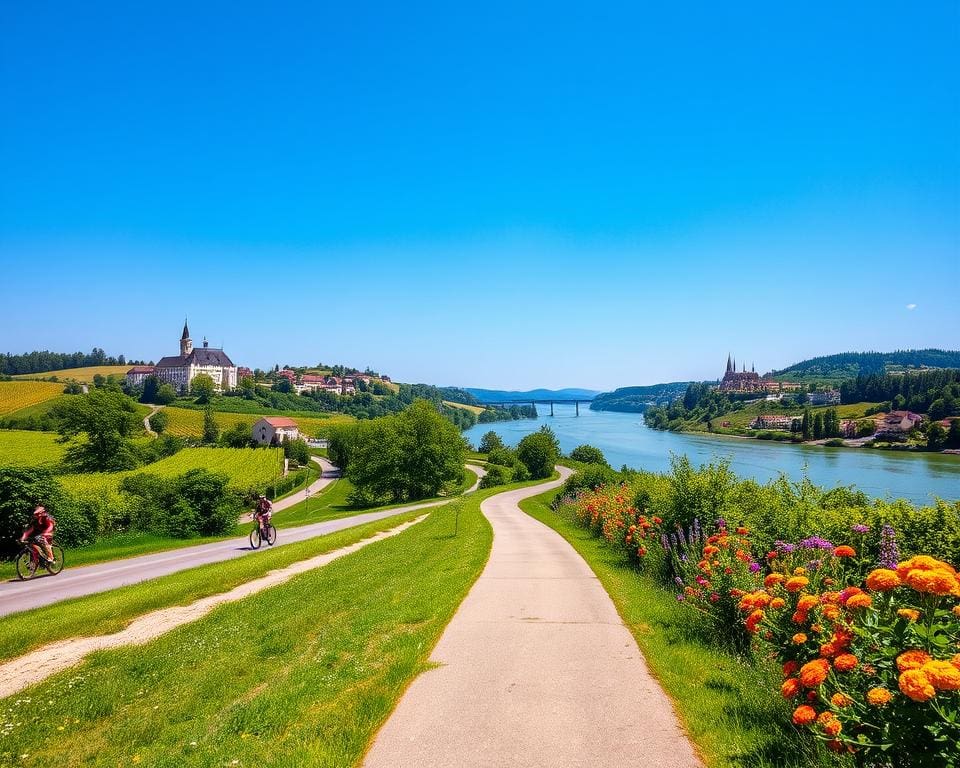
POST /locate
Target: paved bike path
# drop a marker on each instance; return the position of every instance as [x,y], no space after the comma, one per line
[85,580]
[535,669]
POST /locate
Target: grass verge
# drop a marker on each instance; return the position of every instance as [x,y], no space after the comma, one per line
[301,674]
[730,709]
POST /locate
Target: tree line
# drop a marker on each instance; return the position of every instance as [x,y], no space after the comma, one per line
[936,392]
[42,361]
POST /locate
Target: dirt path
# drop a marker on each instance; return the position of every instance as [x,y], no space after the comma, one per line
[146,420]
[38,665]
[535,669]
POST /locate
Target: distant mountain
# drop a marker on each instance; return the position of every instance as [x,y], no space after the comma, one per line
[636,399]
[500,395]
[848,365]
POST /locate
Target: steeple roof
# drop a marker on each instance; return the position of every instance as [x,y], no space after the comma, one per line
[186,331]
[728,363]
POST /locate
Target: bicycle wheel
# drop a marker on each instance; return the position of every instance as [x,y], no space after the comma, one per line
[255,538]
[26,565]
[57,565]
[271,535]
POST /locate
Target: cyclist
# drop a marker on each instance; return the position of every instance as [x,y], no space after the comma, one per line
[262,512]
[40,530]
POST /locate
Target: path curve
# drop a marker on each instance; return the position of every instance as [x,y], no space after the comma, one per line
[146,420]
[18,596]
[536,669]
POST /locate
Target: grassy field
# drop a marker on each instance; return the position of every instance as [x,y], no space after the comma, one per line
[740,420]
[186,422]
[80,375]
[30,449]
[302,675]
[246,468]
[17,395]
[729,709]
[474,409]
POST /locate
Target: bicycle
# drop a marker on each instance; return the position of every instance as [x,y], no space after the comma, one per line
[31,557]
[257,535]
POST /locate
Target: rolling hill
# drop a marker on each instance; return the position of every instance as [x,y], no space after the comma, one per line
[849,365]
[636,399]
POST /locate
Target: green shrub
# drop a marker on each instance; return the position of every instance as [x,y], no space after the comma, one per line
[588,454]
[496,475]
[21,490]
[539,452]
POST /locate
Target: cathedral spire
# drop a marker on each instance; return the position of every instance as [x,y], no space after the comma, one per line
[186,331]
[728,363]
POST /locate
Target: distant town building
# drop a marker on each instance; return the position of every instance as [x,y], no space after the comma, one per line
[243,373]
[775,421]
[180,370]
[138,373]
[273,430]
[750,381]
[287,374]
[826,397]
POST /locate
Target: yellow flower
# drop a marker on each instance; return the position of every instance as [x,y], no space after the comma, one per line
[912,659]
[840,700]
[915,685]
[883,580]
[909,614]
[942,675]
[878,697]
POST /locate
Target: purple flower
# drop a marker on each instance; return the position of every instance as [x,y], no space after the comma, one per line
[721,523]
[678,580]
[679,598]
[754,567]
[860,528]
[681,536]
[813,565]
[889,552]
[783,548]
[674,541]
[816,542]
[665,542]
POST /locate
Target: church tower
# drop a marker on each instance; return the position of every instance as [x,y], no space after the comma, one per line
[186,345]
[729,364]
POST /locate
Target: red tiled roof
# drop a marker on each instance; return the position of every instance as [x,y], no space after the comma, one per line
[279,421]
[142,369]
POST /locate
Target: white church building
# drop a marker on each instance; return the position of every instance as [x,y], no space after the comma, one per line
[179,370]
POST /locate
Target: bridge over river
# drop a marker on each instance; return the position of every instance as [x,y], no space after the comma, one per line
[535,402]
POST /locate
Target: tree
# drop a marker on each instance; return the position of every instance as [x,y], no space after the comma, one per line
[282,384]
[817,426]
[489,441]
[151,386]
[159,421]
[166,394]
[936,437]
[297,450]
[202,388]
[953,434]
[21,490]
[806,428]
[238,436]
[248,388]
[104,421]
[588,454]
[539,452]
[211,430]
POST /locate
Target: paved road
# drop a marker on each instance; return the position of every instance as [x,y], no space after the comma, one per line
[536,669]
[327,476]
[74,582]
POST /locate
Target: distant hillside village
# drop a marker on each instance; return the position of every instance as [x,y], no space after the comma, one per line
[179,371]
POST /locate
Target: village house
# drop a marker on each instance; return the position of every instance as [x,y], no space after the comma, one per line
[244,373]
[273,430]
[180,370]
[750,381]
[775,421]
[898,423]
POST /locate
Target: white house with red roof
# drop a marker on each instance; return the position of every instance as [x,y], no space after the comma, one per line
[273,430]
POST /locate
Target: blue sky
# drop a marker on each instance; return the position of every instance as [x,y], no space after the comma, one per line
[508,197]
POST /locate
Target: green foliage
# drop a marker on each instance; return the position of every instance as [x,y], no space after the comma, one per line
[920,392]
[539,452]
[104,420]
[41,362]
[21,490]
[496,475]
[197,503]
[848,365]
[238,436]
[159,421]
[297,450]
[202,388]
[589,478]
[588,454]
[489,441]
[211,430]
[411,455]
[166,394]
[638,399]
[504,457]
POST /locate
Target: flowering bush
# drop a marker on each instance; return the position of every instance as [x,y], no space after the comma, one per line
[610,512]
[713,575]
[873,663]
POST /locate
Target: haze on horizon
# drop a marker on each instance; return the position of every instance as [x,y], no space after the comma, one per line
[507,198]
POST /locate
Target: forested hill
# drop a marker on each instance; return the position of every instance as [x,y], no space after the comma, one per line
[43,361]
[636,399]
[849,365]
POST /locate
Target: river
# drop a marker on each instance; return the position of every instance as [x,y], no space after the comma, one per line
[624,439]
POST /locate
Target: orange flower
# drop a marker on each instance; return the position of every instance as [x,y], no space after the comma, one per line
[807,602]
[844,551]
[799,638]
[753,621]
[841,700]
[956,661]
[859,601]
[883,580]
[956,610]
[789,668]
[879,697]
[931,582]
[804,715]
[831,612]
[799,617]
[909,614]
[742,531]
[915,685]
[923,563]
[777,603]
[942,675]
[833,728]
[825,717]
[790,688]
[912,659]
[845,662]
[813,673]
[799,571]
[796,583]
[772,580]
[827,650]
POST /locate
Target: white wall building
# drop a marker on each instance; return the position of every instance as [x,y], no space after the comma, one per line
[180,370]
[271,430]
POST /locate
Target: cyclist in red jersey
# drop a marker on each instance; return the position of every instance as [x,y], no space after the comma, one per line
[41,528]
